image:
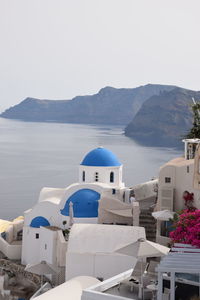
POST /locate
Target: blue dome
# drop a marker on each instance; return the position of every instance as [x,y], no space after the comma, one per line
[101,157]
[85,204]
[39,221]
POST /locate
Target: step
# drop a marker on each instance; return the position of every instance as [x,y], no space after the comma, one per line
[147,225]
[147,216]
[150,230]
[147,221]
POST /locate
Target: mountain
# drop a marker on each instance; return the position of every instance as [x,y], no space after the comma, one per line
[108,106]
[164,119]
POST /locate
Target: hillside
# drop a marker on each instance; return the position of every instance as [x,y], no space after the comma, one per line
[163,119]
[108,106]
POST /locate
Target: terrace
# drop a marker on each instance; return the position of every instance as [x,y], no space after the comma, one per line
[127,285]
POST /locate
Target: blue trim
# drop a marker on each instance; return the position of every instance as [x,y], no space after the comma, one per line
[39,221]
[85,204]
[101,157]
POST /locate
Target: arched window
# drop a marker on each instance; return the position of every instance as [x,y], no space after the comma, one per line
[96,176]
[83,176]
[111,176]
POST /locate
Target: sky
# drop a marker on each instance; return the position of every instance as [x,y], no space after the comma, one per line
[58,49]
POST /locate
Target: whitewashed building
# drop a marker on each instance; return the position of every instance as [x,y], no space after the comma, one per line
[99,196]
[92,250]
[176,177]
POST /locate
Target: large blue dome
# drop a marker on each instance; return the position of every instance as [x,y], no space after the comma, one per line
[101,157]
[85,204]
[39,221]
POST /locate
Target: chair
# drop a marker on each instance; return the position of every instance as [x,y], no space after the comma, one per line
[152,269]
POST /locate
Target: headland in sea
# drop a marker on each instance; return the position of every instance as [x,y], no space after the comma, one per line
[154,115]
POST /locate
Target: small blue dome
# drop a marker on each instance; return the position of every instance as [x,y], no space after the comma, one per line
[85,204]
[101,157]
[39,221]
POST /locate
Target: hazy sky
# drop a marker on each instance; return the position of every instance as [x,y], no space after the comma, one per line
[57,49]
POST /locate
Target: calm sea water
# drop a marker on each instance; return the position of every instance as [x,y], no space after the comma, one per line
[34,155]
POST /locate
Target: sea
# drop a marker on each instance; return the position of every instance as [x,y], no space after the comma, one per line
[37,155]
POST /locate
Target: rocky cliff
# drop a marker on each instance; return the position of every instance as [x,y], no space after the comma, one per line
[108,106]
[164,119]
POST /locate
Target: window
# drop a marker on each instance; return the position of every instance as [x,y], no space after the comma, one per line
[167,179]
[45,246]
[96,176]
[37,235]
[113,191]
[191,148]
[19,235]
[111,176]
[83,176]
[188,169]
[166,228]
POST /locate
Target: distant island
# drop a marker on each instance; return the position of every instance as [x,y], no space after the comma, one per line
[153,114]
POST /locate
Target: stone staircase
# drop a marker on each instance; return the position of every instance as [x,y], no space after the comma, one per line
[149,223]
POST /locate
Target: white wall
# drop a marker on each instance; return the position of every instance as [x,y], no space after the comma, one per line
[46,209]
[97,265]
[70,290]
[48,241]
[145,190]
[181,181]
[184,181]
[61,249]
[99,238]
[50,246]
[92,249]
[167,171]
[11,251]
[30,245]
[104,175]
[99,291]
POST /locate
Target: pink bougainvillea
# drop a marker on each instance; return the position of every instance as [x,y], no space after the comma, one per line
[189,200]
[187,228]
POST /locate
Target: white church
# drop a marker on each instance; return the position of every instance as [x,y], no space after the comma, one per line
[99,196]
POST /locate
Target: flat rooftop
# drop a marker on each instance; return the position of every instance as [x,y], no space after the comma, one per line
[121,285]
[179,161]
